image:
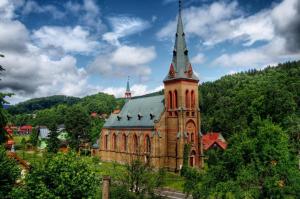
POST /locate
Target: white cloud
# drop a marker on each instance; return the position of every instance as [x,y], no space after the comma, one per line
[13,36]
[221,21]
[282,46]
[133,56]
[34,7]
[69,39]
[136,89]
[198,59]
[124,26]
[124,60]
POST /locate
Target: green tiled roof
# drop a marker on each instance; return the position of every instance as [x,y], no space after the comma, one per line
[143,107]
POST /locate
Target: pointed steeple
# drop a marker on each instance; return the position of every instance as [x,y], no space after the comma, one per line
[180,62]
[128,92]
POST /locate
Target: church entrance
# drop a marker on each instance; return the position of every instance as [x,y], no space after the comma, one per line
[192,158]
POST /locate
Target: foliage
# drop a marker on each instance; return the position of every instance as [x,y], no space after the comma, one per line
[35,104]
[141,179]
[185,164]
[257,164]
[3,117]
[77,123]
[96,126]
[53,141]
[60,176]
[231,103]
[34,137]
[9,173]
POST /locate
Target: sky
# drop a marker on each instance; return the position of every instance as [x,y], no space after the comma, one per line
[83,47]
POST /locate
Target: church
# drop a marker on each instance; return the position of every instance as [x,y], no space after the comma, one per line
[156,128]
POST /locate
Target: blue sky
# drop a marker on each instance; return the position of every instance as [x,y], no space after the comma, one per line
[83,47]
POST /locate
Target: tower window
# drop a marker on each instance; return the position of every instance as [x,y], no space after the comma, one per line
[175,99]
[170,100]
[187,99]
[193,99]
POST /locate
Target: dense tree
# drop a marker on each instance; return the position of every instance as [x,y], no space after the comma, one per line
[257,164]
[9,173]
[32,105]
[34,137]
[59,176]
[77,123]
[3,117]
[53,141]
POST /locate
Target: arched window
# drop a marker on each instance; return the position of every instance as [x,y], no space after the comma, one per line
[147,144]
[135,144]
[114,142]
[105,142]
[187,99]
[192,137]
[170,100]
[175,99]
[124,138]
[193,99]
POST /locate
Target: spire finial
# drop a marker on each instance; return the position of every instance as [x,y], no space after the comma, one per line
[179,6]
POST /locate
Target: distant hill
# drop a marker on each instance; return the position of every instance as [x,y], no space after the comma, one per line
[35,104]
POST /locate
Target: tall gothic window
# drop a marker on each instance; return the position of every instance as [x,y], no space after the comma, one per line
[148,144]
[170,100]
[175,99]
[187,99]
[193,99]
[135,144]
[114,142]
[106,142]
[124,142]
[192,138]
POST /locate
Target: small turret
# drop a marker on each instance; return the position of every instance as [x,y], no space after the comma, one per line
[128,92]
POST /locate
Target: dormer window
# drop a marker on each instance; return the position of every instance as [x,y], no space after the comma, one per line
[128,116]
[186,51]
[119,117]
[140,116]
[152,116]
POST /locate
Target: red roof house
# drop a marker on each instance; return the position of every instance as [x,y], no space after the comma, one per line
[213,139]
[26,129]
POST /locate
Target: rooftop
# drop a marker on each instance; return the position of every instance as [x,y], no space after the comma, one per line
[137,113]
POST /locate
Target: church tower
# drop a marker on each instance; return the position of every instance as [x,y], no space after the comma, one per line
[127,92]
[181,105]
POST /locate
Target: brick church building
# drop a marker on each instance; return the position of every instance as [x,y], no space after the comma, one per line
[157,128]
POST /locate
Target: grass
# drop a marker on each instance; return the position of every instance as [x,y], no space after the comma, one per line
[174,181]
[18,138]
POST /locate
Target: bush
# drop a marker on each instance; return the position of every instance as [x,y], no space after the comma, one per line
[9,172]
[62,176]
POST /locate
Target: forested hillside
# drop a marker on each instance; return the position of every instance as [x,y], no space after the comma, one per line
[231,103]
[35,104]
[258,114]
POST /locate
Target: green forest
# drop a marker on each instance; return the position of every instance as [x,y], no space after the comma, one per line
[256,111]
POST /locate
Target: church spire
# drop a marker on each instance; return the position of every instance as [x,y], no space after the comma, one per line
[128,92]
[180,67]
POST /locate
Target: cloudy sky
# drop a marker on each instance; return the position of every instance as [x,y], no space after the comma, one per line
[83,47]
